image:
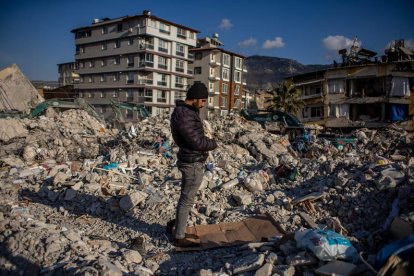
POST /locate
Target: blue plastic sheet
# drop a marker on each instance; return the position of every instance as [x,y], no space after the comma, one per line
[399,112]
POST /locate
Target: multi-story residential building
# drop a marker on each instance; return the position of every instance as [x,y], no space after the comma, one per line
[142,59]
[361,93]
[223,73]
[67,75]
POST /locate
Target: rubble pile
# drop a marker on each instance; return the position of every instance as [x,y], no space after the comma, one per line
[79,198]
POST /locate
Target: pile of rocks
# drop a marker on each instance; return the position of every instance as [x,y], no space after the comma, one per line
[79,198]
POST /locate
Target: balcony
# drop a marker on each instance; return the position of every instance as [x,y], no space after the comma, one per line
[145,81]
[178,69]
[179,85]
[214,63]
[190,72]
[131,64]
[162,83]
[181,54]
[183,36]
[165,50]
[146,46]
[146,64]
[214,78]
[164,31]
[162,66]
[130,81]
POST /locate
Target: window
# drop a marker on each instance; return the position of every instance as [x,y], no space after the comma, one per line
[152,23]
[162,63]
[129,95]
[103,62]
[148,95]
[116,77]
[90,79]
[336,86]
[316,111]
[180,50]
[226,59]
[83,34]
[238,62]
[80,94]
[82,49]
[237,76]
[179,82]
[179,66]
[192,35]
[162,46]
[92,64]
[224,88]
[197,70]
[117,60]
[104,46]
[130,41]
[119,27]
[164,28]
[179,95]
[226,74]
[130,78]
[223,102]
[82,64]
[117,44]
[162,96]
[237,90]
[198,56]
[130,61]
[103,78]
[104,30]
[162,79]
[149,57]
[315,89]
[101,94]
[181,33]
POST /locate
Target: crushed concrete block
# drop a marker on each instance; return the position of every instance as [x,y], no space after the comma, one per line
[12,128]
[265,270]
[131,200]
[248,263]
[132,256]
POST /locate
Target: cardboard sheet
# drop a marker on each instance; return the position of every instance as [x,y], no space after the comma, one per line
[255,229]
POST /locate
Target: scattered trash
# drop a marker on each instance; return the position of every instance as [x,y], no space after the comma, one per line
[326,245]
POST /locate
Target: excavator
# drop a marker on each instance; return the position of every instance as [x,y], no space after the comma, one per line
[118,106]
[66,103]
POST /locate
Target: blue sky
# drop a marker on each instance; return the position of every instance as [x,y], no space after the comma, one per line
[36,34]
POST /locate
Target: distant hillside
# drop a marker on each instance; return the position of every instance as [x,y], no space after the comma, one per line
[264,72]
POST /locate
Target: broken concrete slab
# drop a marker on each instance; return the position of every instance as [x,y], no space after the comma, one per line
[18,93]
[12,128]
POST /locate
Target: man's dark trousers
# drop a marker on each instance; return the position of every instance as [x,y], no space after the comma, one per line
[192,175]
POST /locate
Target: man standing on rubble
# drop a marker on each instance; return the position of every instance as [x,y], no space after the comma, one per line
[188,133]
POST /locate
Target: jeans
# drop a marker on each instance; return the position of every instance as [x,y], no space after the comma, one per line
[192,175]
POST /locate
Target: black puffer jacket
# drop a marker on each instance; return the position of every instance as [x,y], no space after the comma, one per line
[188,133]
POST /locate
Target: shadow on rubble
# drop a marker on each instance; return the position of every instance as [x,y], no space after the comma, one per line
[20,265]
[105,209]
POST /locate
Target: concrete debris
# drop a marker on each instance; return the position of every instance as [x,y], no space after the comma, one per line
[79,198]
[17,92]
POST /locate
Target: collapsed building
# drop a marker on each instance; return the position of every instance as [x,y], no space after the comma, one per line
[361,91]
[79,198]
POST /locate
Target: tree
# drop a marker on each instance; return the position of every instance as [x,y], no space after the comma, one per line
[286,98]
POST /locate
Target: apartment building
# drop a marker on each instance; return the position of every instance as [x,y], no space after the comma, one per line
[368,93]
[142,59]
[222,72]
[67,75]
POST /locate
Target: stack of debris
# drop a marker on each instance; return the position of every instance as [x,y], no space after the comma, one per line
[79,198]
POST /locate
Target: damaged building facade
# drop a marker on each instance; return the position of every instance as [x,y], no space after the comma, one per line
[360,92]
[223,73]
[141,59]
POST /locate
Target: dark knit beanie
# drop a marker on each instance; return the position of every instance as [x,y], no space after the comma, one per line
[197,91]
